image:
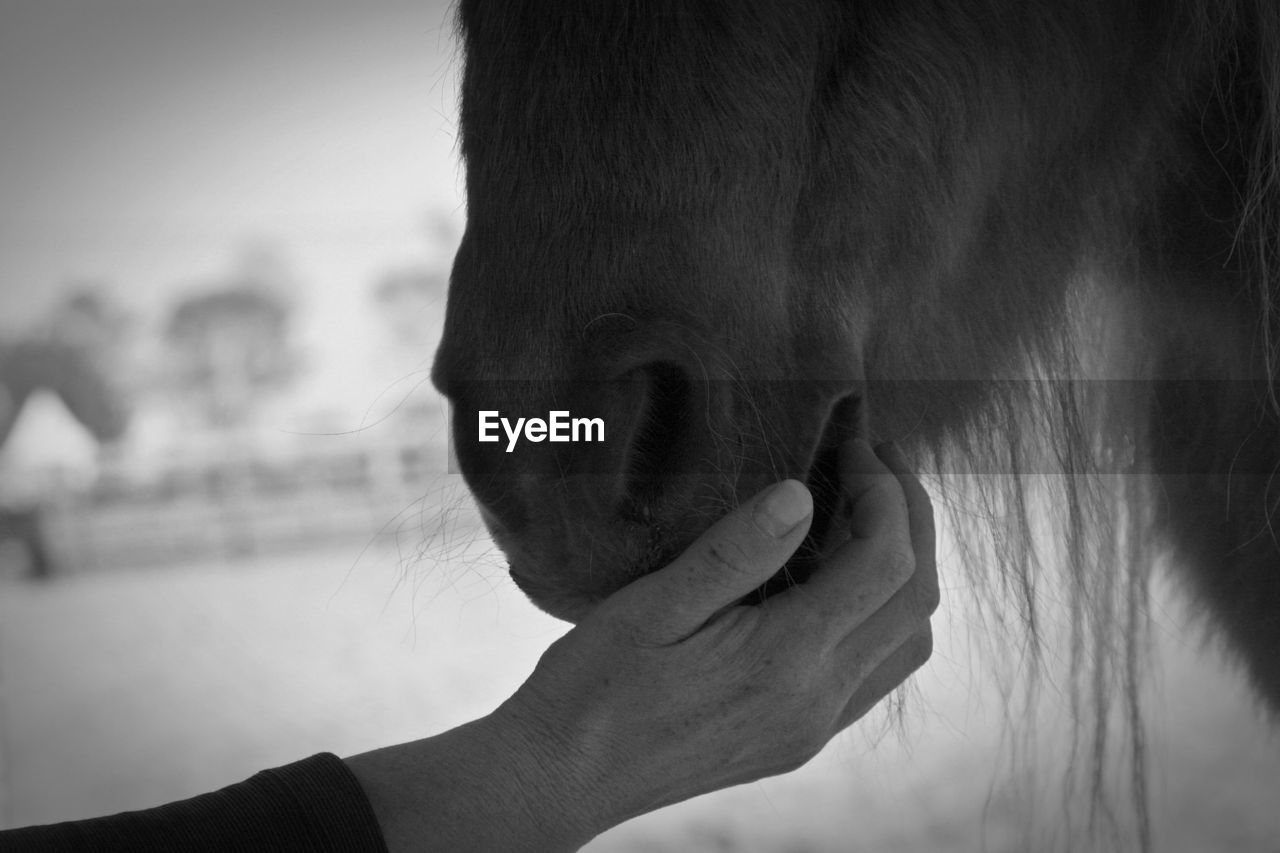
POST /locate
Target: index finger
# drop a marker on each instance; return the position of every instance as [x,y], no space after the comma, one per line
[864,572]
[919,516]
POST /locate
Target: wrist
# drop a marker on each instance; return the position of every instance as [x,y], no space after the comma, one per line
[546,777]
[493,784]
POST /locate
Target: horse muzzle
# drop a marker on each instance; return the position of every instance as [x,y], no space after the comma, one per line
[580,514]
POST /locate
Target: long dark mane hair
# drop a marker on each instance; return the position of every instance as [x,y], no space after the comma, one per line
[1143,355]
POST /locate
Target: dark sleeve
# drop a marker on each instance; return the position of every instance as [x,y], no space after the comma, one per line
[311,805]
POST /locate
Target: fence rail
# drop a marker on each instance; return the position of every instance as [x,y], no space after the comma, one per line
[239,507]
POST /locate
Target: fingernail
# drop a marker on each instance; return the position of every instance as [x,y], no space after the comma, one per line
[784,507]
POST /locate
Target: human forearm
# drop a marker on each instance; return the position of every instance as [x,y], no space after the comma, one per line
[483,786]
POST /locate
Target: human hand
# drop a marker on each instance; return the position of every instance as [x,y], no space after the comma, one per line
[669,689]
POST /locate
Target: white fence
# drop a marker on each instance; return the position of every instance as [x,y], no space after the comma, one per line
[232,508]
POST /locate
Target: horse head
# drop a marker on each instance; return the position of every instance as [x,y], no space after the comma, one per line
[738,235]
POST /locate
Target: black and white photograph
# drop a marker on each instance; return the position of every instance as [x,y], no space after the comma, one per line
[737,426]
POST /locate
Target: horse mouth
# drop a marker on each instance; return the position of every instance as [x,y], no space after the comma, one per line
[829,507]
[572,607]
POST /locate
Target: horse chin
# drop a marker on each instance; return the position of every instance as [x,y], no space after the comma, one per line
[557,561]
[572,607]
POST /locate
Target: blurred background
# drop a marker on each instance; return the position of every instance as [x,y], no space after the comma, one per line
[228,534]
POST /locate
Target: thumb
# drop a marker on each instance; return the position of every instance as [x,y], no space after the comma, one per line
[734,556]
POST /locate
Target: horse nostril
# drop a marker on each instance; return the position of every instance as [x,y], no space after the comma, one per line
[663,421]
[843,423]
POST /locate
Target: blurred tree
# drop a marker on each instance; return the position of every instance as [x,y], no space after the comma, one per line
[89,317]
[411,303]
[411,299]
[230,345]
[263,262]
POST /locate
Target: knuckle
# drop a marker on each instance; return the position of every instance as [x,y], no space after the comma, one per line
[786,762]
[885,490]
[800,745]
[926,597]
[932,598]
[724,557]
[899,565]
[816,625]
[919,648]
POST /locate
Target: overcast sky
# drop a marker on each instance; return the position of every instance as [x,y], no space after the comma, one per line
[143,141]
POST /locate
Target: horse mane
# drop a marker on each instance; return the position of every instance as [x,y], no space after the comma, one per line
[1047,482]
[1260,208]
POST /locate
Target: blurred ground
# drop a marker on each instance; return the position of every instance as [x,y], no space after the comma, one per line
[123,689]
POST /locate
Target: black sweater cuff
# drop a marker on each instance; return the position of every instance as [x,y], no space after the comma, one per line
[311,805]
